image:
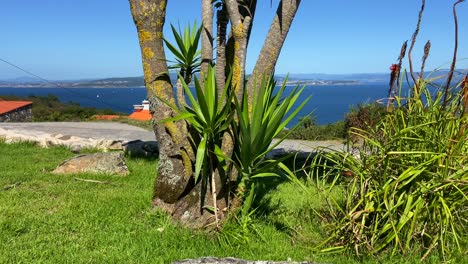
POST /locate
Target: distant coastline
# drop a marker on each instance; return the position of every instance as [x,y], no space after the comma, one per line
[110,86]
[137,82]
[322,82]
[308,79]
[67,85]
[329,103]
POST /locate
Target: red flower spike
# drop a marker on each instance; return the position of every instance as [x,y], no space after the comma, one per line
[394,68]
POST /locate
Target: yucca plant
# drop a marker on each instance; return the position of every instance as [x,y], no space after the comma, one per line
[214,113]
[210,115]
[186,50]
[254,128]
[187,56]
[406,189]
[257,124]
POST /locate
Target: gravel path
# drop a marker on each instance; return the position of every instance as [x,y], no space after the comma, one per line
[125,132]
[95,130]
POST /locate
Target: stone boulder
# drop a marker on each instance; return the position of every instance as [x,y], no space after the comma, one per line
[106,163]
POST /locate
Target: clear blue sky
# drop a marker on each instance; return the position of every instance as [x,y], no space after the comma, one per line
[72,39]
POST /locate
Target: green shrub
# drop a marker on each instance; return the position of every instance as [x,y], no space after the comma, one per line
[363,116]
[213,114]
[308,121]
[49,108]
[331,131]
[406,189]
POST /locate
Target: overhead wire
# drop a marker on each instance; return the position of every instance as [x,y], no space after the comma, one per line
[64,88]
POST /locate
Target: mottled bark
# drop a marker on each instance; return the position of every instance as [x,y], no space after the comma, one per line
[221,29]
[206,37]
[248,11]
[273,43]
[176,154]
[175,188]
[240,27]
[180,93]
[241,18]
[243,11]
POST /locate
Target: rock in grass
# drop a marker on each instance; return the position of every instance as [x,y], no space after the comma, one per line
[106,163]
[209,260]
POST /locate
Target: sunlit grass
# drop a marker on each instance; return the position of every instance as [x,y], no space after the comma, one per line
[56,219]
[47,218]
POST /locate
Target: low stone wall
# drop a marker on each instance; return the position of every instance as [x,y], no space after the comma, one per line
[22,114]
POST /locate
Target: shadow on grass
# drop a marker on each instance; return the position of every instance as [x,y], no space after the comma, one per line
[307,166]
[146,158]
[138,149]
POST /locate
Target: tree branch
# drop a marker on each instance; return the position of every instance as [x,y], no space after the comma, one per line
[274,42]
[206,37]
[239,33]
[175,152]
[221,29]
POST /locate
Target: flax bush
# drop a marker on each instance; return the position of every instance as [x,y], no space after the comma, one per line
[406,188]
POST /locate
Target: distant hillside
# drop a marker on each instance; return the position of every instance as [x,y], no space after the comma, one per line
[111,83]
[370,77]
[357,77]
[117,82]
[302,78]
[22,79]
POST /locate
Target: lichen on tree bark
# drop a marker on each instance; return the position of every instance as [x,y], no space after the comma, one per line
[175,189]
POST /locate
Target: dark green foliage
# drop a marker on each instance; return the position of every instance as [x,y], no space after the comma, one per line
[331,131]
[252,125]
[49,108]
[364,116]
[406,188]
[308,121]
[186,52]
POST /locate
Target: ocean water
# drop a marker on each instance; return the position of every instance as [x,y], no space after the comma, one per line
[329,103]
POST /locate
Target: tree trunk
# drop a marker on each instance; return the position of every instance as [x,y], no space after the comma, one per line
[249,11]
[273,43]
[206,37]
[239,29]
[221,25]
[173,186]
[180,93]
[241,19]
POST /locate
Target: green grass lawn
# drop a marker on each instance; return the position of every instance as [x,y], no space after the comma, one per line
[47,218]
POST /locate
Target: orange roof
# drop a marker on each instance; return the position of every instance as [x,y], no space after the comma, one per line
[143,115]
[8,106]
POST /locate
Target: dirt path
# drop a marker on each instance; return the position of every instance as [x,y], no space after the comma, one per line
[99,131]
[95,130]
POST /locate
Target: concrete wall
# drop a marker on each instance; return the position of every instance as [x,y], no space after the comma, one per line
[22,114]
